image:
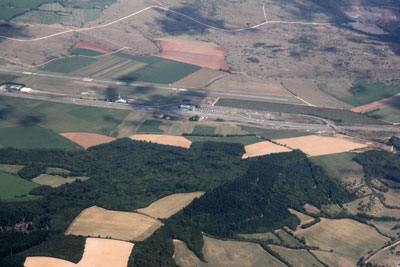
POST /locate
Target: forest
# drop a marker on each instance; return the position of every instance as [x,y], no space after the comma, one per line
[242,196]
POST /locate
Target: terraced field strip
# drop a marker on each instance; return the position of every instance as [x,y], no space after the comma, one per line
[169,205]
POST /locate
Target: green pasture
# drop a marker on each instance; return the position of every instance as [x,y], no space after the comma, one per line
[272,133]
[150,126]
[68,65]
[203,130]
[364,93]
[84,52]
[12,186]
[244,140]
[40,17]
[59,117]
[389,113]
[33,137]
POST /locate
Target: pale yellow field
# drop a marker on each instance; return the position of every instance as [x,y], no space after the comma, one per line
[392,197]
[55,180]
[302,217]
[163,139]
[334,259]
[184,256]
[98,253]
[99,222]
[169,205]
[87,140]
[263,148]
[346,237]
[296,257]
[311,209]
[314,145]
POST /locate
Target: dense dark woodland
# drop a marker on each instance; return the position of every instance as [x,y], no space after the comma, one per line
[243,196]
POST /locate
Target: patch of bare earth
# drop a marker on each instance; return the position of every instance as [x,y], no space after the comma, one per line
[263,148]
[98,252]
[163,139]
[314,145]
[96,221]
[87,140]
[196,53]
[200,78]
[169,205]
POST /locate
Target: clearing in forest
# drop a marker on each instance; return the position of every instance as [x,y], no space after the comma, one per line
[263,148]
[200,54]
[169,205]
[55,180]
[87,140]
[96,221]
[314,145]
[163,139]
[98,252]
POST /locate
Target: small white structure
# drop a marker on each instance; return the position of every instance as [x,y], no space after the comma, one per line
[26,90]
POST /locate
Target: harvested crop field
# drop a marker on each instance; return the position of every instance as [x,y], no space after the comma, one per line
[200,54]
[98,252]
[263,148]
[169,140]
[87,140]
[296,257]
[55,180]
[169,205]
[200,78]
[314,145]
[96,221]
[93,47]
[334,259]
[346,237]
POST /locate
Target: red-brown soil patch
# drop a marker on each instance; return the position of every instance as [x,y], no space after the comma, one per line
[204,55]
[93,47]
[200,78]
[367,107]
[87,140]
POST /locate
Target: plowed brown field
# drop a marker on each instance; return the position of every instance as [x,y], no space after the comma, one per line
[263,148]
[204,55]
[87,140]
[170,140]
[93,47]
[200,78]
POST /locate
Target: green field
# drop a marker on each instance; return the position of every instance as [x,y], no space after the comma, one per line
[272,133]
[287,239]
[68,65]
[33,137]
[39,17]
[203,130]
[339,116]
[7,78]
[59,117]
[365,93]
[150,126]
[84,52]
[12,186]
[11,8]
[388,113]
[55,180]
[244,140]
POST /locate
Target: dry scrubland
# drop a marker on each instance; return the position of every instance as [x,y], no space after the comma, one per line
[98,252]
[169,205]
[87,140]
[345,237]
[263,148]
[96,221]
[314,145]
[163,139]
[55,180]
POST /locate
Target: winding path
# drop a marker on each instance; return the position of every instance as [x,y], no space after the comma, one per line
[172,11]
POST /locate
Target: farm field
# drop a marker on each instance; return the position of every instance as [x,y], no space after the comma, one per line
[308,91]
[87,140]
[33,137]
[93,47]
[184,256]
[365,93]
[68,65]
[131,123]
[389,101]
[169,205]
[60,117]
[200,78]
[287,239]
[338,89]
[12,169]
[203,130]
[262,236]
[150,126]
[389,228]
[197,53]
[302,217]
[12,186]
[296,257]
[334,259]
[10,9]
[84,52]
[98,252]
[244,140]
[169,140]
[55,180]
[234,253]
[339,116]
[263,148]
[273,133]
[371,205]
[389,113]
[99,222]
[389,257]
[345,237]
[314,145]
[392,197]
